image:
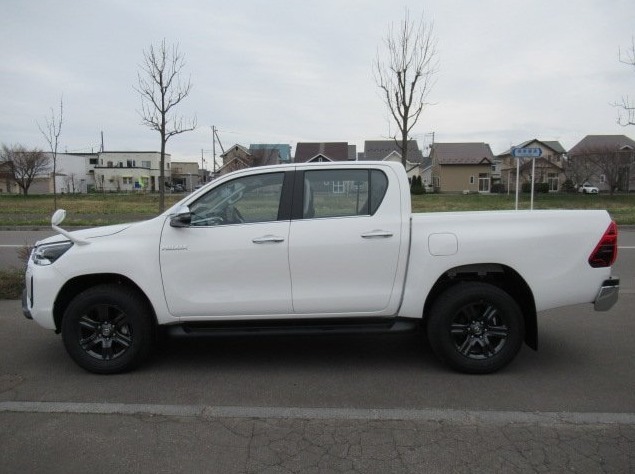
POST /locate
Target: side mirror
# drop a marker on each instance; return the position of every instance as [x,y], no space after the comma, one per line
[182,217]
[58,217]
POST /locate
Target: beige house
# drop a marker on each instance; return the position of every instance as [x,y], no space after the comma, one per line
[462,167]
[186,175]
[549,168]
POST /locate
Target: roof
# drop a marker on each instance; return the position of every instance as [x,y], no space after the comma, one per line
[235,148]
[377,150]
[540,163]
[462,153]
[602,142]
[334,151]
[553,145]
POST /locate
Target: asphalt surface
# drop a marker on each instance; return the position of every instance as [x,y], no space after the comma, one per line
[327,404]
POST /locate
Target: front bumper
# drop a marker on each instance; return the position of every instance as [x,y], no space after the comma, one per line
[607,295]
[25,305]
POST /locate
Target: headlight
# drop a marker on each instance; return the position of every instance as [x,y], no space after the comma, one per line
[46,254]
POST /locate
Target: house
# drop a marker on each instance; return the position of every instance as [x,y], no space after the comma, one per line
[308,152]
[123,171]
[549,168]
[284,151]
[186,175]
[462,167]
[388,150]
[238,157]
[606,161]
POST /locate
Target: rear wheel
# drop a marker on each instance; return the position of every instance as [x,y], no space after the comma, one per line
[475,327]
[107,329]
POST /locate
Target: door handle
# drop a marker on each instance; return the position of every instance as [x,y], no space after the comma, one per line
[268,239]
[377,234]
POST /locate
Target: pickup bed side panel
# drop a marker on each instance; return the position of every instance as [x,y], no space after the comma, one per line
[548,249]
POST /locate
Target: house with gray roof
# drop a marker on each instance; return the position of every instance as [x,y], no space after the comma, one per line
[388,150]
[605,161]
[309,152]
[462,167]
[549,168]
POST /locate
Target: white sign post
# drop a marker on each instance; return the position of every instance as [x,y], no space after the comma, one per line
[532,153]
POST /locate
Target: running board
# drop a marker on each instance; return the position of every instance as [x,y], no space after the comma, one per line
[295,327]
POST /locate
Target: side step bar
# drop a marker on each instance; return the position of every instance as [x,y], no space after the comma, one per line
[296,328]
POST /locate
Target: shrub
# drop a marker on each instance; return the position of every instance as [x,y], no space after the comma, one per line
[568,186]
[538,187]
[416,186]
[498,188]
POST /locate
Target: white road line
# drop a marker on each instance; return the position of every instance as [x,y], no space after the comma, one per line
[379,414]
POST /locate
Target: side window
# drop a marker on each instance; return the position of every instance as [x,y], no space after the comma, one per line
[244,200]
[341,193]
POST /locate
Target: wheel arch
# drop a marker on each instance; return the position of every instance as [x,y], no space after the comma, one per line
[77,285]
[502,276]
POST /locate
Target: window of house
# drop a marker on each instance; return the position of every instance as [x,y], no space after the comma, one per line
[471,179]
[341,193]
[483,182]
[92,161]
[130,163]
[145,164]
[249,199]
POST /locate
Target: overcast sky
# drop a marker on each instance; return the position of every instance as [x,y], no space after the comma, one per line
[276,71]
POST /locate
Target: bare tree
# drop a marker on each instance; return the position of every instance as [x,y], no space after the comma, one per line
[611,164]
[24,165]
[404,71]
[162,88]
[626,107]
[51,132]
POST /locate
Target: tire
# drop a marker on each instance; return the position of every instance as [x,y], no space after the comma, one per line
[107,329]
[475,328]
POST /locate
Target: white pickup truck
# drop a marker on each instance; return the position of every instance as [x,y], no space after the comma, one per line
[318,248]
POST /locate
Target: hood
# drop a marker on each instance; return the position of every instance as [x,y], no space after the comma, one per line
[87,234]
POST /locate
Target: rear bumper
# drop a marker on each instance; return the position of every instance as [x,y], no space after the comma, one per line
[607,295]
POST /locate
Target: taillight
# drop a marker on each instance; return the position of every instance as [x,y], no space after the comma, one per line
[605,251]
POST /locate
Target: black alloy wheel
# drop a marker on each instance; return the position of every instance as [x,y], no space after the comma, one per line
[475,327]
[107,329]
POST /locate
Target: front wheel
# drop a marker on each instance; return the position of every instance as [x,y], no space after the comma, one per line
[107,329]
[475,327]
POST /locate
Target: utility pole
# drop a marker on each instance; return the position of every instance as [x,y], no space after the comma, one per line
[214,149]
[202,167]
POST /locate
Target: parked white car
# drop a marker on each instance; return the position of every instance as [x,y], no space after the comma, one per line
[588,188]
[321,249]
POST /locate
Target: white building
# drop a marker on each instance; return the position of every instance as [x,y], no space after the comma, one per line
[122,171]
[72,174]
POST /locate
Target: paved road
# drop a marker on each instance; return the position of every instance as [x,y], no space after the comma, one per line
[329,404]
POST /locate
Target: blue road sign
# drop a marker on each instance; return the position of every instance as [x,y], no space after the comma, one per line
[526,152]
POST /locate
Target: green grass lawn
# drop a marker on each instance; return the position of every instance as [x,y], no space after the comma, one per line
[102,209]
